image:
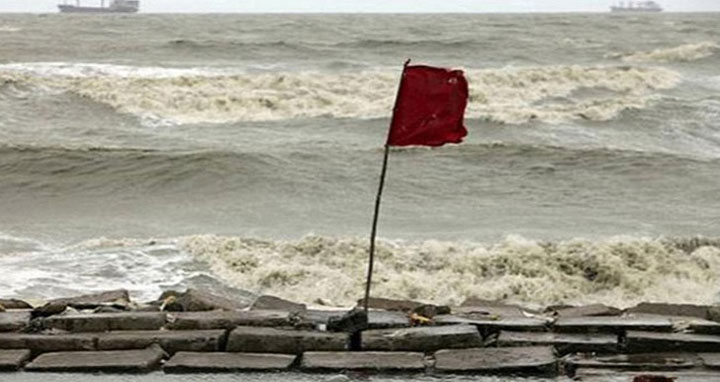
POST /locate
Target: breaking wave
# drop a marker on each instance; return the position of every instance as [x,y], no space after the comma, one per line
[186,96]
[682,53]
[619,271]
[9,29]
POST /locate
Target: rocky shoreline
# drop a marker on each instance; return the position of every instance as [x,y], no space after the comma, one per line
[194,331]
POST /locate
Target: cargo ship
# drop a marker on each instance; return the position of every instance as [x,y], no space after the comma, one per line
[115,6]
[637,6]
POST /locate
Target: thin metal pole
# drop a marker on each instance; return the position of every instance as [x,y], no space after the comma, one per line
[371,263]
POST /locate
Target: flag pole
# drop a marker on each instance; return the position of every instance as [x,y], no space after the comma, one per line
[373,232]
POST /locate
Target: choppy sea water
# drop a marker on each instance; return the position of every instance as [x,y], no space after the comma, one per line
[242,153]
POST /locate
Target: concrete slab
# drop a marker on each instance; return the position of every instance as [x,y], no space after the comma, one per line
[315,318]
[12,303]
[11,360]
[688,310]
[488,311]
[587,311]
[13,321]
[710,360]
[390,304]
[194,300]
[276,303]
[564,343]
[228,319]
[49,309]
[381,319]
[247,339]
[188,362]
[701,326]
[612,324]
[625,362]
[106,361]
[119,297]
[692,324]
[377,319]
[424,339]
[353,321]
[605,375]
[171,341]
[646,342]
[48,342]
[102,322]
[492,324]
[385,361]
[535,359]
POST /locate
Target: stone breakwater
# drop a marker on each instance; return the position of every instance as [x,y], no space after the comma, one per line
[194,331]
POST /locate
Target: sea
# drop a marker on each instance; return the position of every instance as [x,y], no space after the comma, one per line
[241,154]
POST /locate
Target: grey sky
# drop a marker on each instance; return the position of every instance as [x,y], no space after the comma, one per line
[368,5]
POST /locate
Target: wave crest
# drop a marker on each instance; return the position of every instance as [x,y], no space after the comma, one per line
[183,96]
[9,29]
[618,271]
[682,53]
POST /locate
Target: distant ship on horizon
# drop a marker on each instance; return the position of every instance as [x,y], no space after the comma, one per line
[637,6]
[115,6]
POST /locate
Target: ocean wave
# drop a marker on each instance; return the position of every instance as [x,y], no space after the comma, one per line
[9,29]
[10,244]
[682,53]
[108,170]
[144,268]
[237,45]
[399,43]
[199,95]
[619,271]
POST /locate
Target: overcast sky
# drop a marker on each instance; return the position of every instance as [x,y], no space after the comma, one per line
[367,5]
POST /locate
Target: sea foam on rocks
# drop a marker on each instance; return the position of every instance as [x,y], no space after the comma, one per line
[618,271]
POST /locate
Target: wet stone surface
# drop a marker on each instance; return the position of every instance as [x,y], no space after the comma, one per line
[228,319]
[12,321]
[284,341]
[11,360]
[170,341]
[654,361]
[48,342]
[106,361]
[421,338]
[102,322]
[187,362]
[490,324]
[612,324]
[362,361]
[538,359]
[646,342]
[564,343]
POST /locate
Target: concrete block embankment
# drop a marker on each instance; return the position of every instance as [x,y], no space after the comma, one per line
[195,331]
[249,339]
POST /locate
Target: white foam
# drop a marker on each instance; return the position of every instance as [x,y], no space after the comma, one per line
[98,265]
[682,53]
[10,245]
[184,96]
[9,29]
[620,271]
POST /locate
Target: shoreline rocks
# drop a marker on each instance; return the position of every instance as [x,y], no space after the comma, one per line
[110,333]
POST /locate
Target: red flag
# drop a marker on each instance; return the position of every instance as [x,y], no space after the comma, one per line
[430,107]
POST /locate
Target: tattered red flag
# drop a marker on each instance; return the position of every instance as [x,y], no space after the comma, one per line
[430,107]
[429,111]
